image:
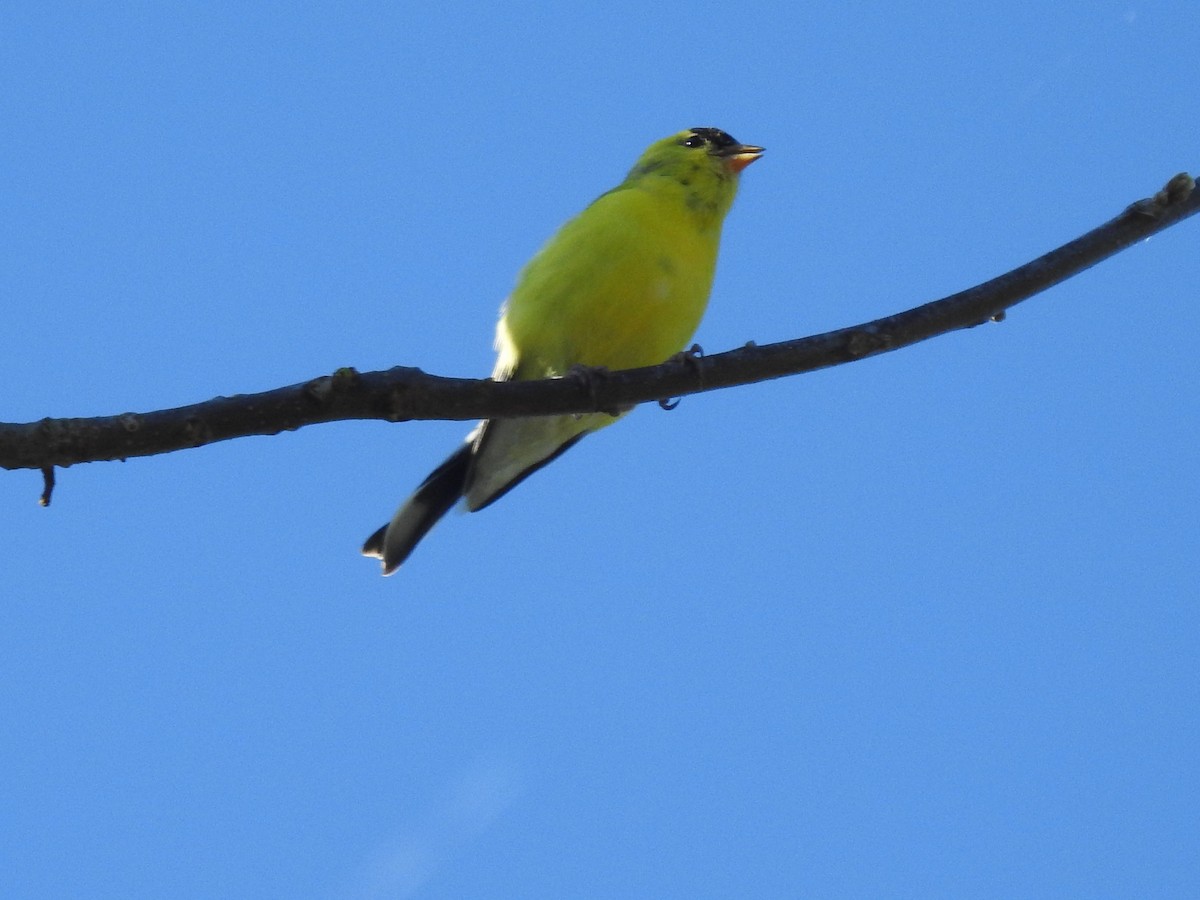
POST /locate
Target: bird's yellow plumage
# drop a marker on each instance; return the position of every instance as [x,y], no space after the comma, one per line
[623,284]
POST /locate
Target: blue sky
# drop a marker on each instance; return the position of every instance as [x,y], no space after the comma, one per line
[921,626]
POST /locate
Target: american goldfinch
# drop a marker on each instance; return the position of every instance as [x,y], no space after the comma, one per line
[623,284]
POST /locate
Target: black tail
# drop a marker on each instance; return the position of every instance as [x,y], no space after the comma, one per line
[441,490]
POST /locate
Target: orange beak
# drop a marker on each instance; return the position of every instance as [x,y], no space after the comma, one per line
[737,158]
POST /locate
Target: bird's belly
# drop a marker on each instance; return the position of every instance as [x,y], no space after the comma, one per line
[621,294]
[639,319]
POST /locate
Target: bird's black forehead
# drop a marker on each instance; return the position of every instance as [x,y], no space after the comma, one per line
[715,136]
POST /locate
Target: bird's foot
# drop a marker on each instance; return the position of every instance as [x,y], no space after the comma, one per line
[689,358]
[589,378]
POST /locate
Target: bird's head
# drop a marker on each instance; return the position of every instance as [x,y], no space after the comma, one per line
[709,148]
[704,161]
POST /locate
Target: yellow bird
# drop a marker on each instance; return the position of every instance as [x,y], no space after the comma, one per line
[623,284]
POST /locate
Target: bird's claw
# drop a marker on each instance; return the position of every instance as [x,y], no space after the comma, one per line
[688,358]
[590,378]
[587,377]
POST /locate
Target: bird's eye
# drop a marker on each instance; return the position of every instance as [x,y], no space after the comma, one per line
[695,141]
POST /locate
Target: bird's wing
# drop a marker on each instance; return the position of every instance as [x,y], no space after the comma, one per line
[507,451]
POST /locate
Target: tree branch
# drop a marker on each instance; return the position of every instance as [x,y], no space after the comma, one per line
[402,394]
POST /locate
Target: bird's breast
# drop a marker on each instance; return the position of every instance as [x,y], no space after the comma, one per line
[623,285]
